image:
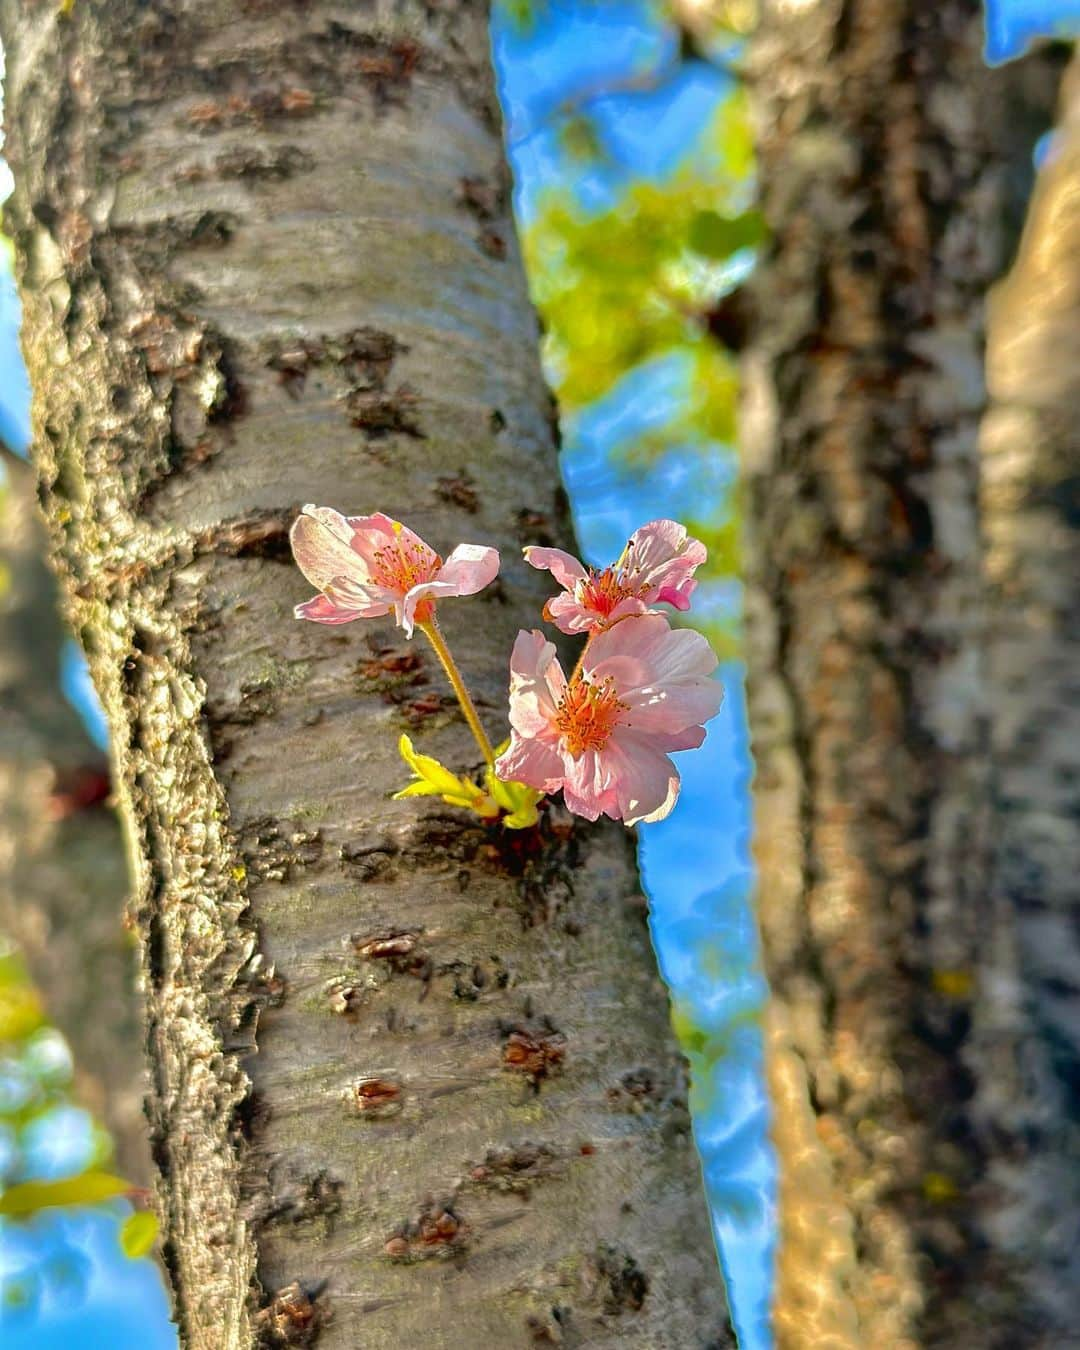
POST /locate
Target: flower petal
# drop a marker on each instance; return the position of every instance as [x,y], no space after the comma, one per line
[662,554]
[588,788]
[405,608]
[324,609]
[564,567]
[688,739]
[533,761]
[662,674]
[678,596]
[469,569]
[646,781]
[370,533]
[320,539]
[569,615]
[537,684]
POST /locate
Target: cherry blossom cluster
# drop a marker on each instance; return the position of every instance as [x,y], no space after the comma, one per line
[603,735]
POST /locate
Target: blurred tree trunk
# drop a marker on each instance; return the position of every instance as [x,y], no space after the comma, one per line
[893,168]
[63,875]
[1027,1017]
[267,258]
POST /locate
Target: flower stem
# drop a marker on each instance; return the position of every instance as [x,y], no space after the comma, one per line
[581,660]
[433,633]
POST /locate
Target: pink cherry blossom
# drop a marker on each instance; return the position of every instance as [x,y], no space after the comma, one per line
[657,565]
[366,566]
[603,736]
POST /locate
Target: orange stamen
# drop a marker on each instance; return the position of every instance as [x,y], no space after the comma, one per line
[587,715]
[400,566]
[602,592]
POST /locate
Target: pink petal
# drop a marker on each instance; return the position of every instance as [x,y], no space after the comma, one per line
[321,544]
[663,557]
[662,542]
[377,523]
[591,807]
[587,788]
[679,596]
[537,684]
[668,653]
[625,609]
[564,567]
[469,569]
[646,781]
[322,609]
[671,708]
[531,760]
[688,739]
[569,615]
[378,531]
[662,674]
[440,589]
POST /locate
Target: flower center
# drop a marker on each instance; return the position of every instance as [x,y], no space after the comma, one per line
[401,566]
[600,592]
[587,715]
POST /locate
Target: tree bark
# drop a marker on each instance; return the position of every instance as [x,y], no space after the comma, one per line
[1026,1047]
[267,258]
[892,165]
[63,873]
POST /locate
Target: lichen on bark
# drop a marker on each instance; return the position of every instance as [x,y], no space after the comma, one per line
[252,278]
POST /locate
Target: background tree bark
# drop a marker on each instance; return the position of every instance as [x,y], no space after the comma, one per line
[893,168]
[1026,1049]
[267,258]
[63,873]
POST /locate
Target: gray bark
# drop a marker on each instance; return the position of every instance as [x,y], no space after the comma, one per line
[1026,1048]
[63,873]
[892,165]
[267,258]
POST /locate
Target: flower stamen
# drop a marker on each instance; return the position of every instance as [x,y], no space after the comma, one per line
[587,715]
[401,566]
[602,592]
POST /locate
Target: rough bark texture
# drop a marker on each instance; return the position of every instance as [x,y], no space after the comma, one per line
[891,167]
[63,873]
[1027,1018]
[267,258]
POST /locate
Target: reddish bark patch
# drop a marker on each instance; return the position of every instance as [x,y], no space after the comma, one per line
[536,1053]
[437,1231]
[377,1098]
[517,1170]
[459,490]
[291,1318]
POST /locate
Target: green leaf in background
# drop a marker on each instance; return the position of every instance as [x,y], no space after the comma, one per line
[138,1233]
[88,1188]
[717,236]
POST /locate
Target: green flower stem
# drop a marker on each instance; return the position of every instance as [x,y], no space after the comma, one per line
[433,633]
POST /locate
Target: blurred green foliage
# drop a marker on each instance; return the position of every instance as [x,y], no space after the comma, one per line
[620,287]
[35,1084]
[637,283]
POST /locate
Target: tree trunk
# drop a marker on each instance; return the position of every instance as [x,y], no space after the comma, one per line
[891,164]
[1027,1043]
[63,874]
[267,258]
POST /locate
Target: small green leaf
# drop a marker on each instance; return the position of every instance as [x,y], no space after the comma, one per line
[138,1233]
[716,236]
[88,1188]
[517,799]
[437,776]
